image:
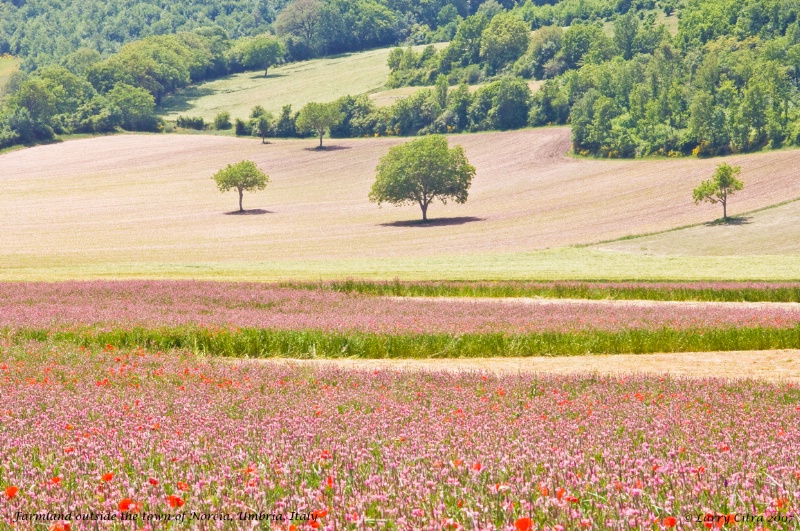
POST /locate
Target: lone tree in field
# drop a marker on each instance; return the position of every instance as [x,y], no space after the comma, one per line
[318,117]
[420,171]
[243,176]
[722,185]
[262,52]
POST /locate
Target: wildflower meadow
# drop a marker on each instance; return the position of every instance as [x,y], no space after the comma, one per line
[130,405]
[167,440]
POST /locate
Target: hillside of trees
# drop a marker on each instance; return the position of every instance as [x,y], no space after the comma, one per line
[45,31]
[727,82]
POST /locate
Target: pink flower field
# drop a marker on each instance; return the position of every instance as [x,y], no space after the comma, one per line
[163,304]
[149,440]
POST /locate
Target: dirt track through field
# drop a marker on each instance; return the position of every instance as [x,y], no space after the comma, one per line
[612,302]
[765,365]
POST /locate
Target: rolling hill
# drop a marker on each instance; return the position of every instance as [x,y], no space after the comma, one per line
[146,205]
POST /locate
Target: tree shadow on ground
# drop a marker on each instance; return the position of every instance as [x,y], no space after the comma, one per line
[261,76]
[327,148]
[738,220]
[180,101]
[253,212]
[436,222]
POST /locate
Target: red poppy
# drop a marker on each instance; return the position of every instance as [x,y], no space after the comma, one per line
[560,493]
[319,514]
[524,524]
[11,492]
[670,521]
[330,482]
[62,526]
[544,490]
[56,480]
[183,486]
[292,527]
[68,427]
[476,466]
[572,499]
[126,505]
[175,501]
[107,477]
[325,454]
[69,450]
[153,481]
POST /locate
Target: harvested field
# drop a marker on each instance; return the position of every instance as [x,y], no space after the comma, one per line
[775,365]
[107,204]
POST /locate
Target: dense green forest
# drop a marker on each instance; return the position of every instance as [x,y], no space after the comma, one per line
[726,82]
[45,31]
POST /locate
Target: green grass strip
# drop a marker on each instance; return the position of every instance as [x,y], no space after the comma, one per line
[588,290]
[261,343]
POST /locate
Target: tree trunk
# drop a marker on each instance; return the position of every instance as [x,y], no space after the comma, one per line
[320,138]
[424,211]
[266,69]
[241,193]
[725,210]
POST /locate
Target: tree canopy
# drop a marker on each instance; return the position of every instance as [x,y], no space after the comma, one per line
[244,176]
[260,52]
[720,187]
[319,117]
[422,171]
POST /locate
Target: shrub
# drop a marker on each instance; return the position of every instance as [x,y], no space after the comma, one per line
[222,121]
[191,122]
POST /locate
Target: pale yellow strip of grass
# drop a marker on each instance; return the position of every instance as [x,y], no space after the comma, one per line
[774,365]
[558,264]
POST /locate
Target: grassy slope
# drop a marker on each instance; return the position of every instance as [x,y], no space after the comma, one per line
[144,205]
[319,80]
[770,231]
[7,67]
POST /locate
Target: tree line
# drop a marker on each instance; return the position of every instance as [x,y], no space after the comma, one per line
[502,104]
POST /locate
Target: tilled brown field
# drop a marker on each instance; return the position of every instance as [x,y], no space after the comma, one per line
[150,198]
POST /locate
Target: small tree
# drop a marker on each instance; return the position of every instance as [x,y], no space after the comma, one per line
[319,117]
[261,52]
[263,126]
[723,184]
[242,176]
[421,171]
